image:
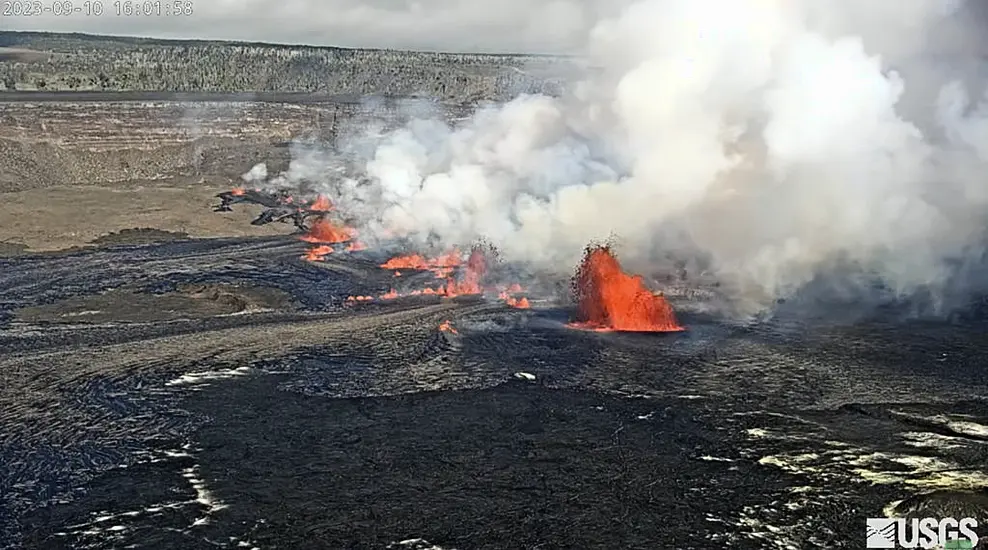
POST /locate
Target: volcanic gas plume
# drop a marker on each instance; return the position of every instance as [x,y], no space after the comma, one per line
[766,143]
[610,299]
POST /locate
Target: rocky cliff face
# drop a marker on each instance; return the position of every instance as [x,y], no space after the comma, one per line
[55,62]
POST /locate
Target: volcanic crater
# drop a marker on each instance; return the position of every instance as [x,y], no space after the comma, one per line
[245,392]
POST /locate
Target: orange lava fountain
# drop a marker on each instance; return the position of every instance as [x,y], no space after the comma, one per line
[321,204]
[475,270]
[324,231]
[518,303]
[318,253]
[611,300]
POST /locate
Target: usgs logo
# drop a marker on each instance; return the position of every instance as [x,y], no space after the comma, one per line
[946,533]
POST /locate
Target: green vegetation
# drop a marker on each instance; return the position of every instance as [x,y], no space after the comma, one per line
[62,62]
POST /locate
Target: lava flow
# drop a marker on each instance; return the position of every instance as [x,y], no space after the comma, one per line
[475,270]
[321,204]
[468,282]
[519,303]
[611,300]
[318,253]
[441,265]
[325,232]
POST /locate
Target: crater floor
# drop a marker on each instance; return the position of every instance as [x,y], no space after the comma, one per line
[222,393]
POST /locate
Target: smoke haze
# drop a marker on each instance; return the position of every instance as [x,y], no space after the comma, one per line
[768,142]
[508,26]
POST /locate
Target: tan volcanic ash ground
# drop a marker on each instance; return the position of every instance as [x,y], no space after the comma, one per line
[73,172]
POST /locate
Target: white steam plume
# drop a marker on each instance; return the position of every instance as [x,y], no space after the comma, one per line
[775,139]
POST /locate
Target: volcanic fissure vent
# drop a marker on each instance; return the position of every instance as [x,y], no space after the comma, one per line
[609,299]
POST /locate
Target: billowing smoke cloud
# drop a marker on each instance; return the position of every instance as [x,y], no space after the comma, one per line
[258,173]
[769,142]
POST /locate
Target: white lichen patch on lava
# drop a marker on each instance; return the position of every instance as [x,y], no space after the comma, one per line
[415,544]
[199,379]
[114,527]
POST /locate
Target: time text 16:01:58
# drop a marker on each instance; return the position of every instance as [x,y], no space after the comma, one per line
[125,8]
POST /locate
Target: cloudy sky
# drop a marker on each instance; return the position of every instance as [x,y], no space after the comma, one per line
[541,26]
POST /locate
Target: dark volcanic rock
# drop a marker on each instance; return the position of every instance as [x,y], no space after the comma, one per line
[311,423]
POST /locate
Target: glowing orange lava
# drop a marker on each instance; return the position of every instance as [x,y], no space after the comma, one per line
[469,281]
[411,261]
[318,253]
[321,204]
[446,327]
[475,270]
[324,231]
[610,299]
[238,191]
[441,265]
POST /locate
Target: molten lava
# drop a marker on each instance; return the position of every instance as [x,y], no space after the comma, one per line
[475,270]
[238,191]
[519,303]
[441,265]
[318,253]
[412,261]
[445,326]
[390,295]
[324,231]
[469,281]
[610,299]
[321,204]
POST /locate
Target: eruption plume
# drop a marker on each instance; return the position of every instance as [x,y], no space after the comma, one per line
[769,144]
[610,299]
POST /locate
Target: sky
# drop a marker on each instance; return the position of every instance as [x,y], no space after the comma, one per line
[504,26]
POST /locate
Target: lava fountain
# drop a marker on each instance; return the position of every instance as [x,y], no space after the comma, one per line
[609,299]
[325,232]
[321,204]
